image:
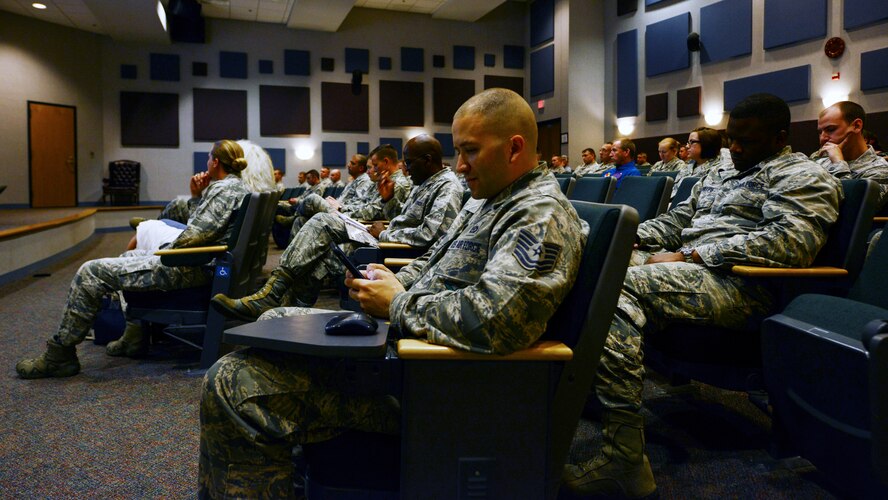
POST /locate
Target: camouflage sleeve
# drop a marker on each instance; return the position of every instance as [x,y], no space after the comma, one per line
[879,175]
[393,207]
[665,229]
[516,293]
[371,209]
[210,219]
[411,272]
[802,203]
[445,205]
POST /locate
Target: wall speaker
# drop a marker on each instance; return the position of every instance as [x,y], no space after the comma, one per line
[694,42]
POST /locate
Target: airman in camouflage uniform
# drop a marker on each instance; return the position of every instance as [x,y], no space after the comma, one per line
[140,270]
[669,160]
[489,285]
[774,210]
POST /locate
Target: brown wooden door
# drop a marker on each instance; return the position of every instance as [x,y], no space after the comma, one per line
[549,138]
[53,155]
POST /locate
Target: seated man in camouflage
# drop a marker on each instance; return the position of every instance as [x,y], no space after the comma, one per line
[308,264]
[771,208]
[477,288]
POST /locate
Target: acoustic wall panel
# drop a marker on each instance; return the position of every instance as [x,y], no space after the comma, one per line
[395,142]
[489,60]
[401,104]
[164,67]
[357,60]
[725,30]
[542,21]
[791,21]
[648,3]
[278,158]
[687,102]
[219,114]
[513,56]
[129,71]
[448,94]
[333,154]
[860,13]
[297,62]
[233,64]
[327,64]
[266,67]
[438,61]
[198,69]
[791,85]
[872,69]
[627,73]
[665,45]
[284,111]
[656,107]
[363,148]
[343,111]
[513,83]
[463,57]
[626,7]
[385,63]
[412,59]
[542,71]
[200,161]
[446,141]
[149,119]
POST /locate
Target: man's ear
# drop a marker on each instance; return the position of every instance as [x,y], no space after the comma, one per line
[782,138]
[857,125]
[516,147]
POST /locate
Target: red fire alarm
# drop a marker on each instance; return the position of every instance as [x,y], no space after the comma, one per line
[541,104]
[835,76]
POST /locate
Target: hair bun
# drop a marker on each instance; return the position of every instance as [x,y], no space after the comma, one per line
[239,164]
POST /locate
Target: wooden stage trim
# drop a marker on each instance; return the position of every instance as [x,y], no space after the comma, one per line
[89,212]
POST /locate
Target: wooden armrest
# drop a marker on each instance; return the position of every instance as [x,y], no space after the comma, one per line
[192,250]
[394,246]
[544,350]
[792,272]
[396,262]
[880,219]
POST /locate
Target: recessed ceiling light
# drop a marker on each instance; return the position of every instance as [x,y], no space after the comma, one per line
[38,5]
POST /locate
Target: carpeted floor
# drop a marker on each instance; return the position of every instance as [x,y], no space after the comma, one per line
[129,429]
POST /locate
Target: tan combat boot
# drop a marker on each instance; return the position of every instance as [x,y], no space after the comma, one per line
[57,361]
[133,343]
[622,470]
[250,307]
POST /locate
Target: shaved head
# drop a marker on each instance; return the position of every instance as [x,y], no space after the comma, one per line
[505,114]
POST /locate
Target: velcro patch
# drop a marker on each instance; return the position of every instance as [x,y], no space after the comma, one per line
[535,255]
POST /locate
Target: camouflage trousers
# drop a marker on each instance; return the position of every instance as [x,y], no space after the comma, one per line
[657,295]
[308,256]
[308,207]
[136,270]
[257,405]
[177,210]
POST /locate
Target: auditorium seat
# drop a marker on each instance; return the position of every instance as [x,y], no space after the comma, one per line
[649,196]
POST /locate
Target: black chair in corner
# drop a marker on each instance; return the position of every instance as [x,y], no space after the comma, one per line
[649,196]
[825,363]
[593,189]
[509,436]
[122,184]
[186,312]
[731,359]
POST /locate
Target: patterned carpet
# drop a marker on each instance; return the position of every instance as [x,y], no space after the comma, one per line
[129,429]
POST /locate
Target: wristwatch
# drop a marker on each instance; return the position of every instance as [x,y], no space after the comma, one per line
[688,253]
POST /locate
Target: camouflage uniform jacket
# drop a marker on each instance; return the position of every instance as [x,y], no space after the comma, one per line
[324,184]
[317,189]
[869,165]
[775,214]
[428,212]
[357,192]
[669,166]
[591,169]
[376,209]
[494,280]
[694,169]
[209,222]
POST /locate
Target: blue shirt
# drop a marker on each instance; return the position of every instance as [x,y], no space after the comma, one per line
[625,170]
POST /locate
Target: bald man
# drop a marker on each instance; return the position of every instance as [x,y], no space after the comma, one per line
[469,291]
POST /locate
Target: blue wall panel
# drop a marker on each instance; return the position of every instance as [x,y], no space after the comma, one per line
[165,67]
[542,71]
[363,148]
[447,150]
[791,85]
[333,154]
[463,57]
[129,71]
[725,30]
[396,143]
[859,13]
[489,60]
[873,73]
[412,59]
[278,158]
[652,2]
[513,56]
[266,67]
[357,60]
[200,161]
[542,21]
[297,62]
[665,45]
[233,64]
[385,63]
[791,21]
[627,74]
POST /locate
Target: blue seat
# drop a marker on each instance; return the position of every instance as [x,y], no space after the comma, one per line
[566,182]
[593,189]
[649,196]
[684,191]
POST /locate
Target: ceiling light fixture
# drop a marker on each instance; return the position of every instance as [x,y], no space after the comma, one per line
[39,6]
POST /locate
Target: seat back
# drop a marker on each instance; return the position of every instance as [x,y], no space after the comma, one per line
[124,174]
[649,196]
[684,191]
[846,241]
[566,182]
[873,276]
[593,189]
[670,173]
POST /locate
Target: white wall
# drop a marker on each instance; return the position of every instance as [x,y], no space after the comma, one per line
[711,76]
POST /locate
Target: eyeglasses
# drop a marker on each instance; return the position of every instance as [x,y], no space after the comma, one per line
[691,142]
